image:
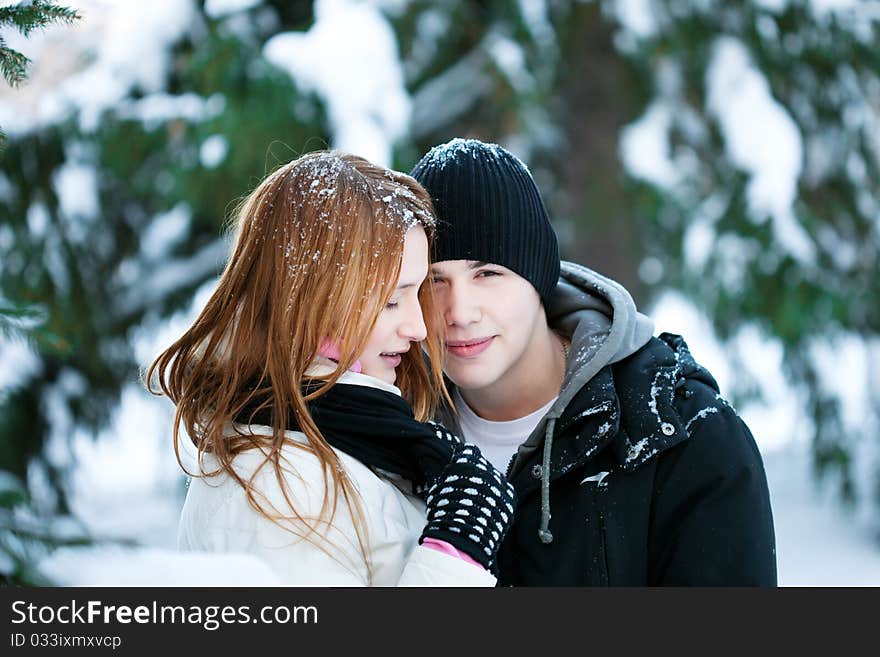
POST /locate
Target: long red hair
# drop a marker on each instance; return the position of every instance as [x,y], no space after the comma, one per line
[317,253]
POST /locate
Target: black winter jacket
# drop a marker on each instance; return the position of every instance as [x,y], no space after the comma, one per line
[654,481]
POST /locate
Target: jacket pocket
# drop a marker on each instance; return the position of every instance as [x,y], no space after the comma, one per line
[596,490]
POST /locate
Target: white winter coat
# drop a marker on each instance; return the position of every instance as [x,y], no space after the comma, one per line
[217,517]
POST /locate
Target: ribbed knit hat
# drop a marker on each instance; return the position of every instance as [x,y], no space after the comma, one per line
[489,209]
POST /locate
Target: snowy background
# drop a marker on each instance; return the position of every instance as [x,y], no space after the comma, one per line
[124,483]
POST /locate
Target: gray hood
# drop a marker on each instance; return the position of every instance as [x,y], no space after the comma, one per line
[600,317]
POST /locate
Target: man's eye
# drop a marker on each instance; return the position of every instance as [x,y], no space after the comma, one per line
[436,280]
[485,273]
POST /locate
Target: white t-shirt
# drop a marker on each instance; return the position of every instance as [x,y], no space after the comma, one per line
[498,441]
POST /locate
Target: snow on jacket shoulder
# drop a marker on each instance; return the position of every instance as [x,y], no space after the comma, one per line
[217,517]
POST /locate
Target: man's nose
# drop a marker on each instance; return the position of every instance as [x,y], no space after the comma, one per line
[459,306]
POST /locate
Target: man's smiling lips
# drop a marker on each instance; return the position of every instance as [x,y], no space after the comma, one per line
[469,348]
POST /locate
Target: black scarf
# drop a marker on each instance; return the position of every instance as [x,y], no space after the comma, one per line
[374,426]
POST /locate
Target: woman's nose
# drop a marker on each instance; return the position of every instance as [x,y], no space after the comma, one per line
[413,329]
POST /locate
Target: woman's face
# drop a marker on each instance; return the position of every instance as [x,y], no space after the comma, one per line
[400,323]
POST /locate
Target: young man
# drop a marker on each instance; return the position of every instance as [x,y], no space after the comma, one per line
[629,467]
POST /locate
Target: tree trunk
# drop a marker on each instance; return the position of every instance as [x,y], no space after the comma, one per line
[598,96]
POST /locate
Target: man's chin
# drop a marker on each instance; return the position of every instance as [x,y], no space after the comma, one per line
[468,380]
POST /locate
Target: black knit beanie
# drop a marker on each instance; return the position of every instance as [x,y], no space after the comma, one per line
[489,209]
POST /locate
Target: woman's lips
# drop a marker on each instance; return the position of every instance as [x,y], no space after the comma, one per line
[469,349]
[392,361]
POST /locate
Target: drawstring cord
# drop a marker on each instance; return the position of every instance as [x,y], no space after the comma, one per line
[544,530]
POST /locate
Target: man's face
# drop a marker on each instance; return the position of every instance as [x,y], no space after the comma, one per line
[491,317]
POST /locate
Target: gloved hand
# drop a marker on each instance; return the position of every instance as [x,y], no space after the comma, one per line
[469,503]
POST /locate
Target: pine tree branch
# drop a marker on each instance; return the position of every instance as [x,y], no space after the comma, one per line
[16,319]
[37,14]
[26,18]
[13,65]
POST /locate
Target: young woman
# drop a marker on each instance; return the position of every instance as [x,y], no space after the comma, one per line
[304,385]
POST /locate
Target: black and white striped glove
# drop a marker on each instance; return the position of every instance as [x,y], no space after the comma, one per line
[469,504]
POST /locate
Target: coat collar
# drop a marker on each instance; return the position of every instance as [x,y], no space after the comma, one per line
[322,368]
[650,424]
[628,406]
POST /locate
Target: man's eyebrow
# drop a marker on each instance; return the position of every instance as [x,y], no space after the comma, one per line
[474,264]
